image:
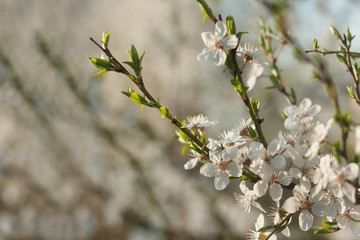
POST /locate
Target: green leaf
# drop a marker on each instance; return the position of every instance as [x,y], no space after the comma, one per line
[341,58]
[239,34]
[349,37]
[186,147]
[132,65]
[315,44]
[336,151]
[137,98]
[328,225]
[205,9]
[255,106]
[265,228]
[231,28]
[237,85]
[135,57]
[252,132]
[335,33]
[106,39]
[101,72]
[102,64]
[164,111]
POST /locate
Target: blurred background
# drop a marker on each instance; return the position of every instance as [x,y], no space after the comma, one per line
[79,160]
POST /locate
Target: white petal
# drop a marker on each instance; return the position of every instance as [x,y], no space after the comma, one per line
[305,182]
[251,82]
[208,39]
[355,212]
[274,146]
[286,232]
[230,42]
[291,110]
[355,229]
[291,205]
[284,178]
[295,172]
[260,188]
[300,192]
[219,57]
[278,162]
[351,171]
[306,220]
[220,30]
[276,191]
[234,169]
[230,153]
[191,163]
[244,189]
[207,54]
[260,221]
[313,110]
[305,104]
[320,209]
[349,191]
[215,156]
[221,180]
[208,170]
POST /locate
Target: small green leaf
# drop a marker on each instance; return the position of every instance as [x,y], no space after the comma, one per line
[349,37]
[255,105]
[328,225]
[205,9]
[101,72]
[335,33]
[186,147]
[252,132]
[230,23]
[315,44]
[164,111]
[336,151]
[102,64]
[106,39]
[341,58]
[239,34]
[265,228]
[137,98]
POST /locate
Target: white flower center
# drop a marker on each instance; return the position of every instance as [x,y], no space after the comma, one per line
[219,45]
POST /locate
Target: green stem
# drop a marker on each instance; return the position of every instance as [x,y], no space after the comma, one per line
[244,96]
[278,226]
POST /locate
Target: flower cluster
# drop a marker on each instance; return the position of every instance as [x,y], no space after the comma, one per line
[321,185]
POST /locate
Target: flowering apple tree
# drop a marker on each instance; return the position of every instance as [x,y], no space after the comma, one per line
[322,178]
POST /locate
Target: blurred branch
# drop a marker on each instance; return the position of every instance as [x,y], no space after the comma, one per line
[321,73]
[52,140]
[104,131]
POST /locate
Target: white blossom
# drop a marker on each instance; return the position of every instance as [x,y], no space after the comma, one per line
[266,161]
[300,117]
[317,137]
[221,167]
[345,220]
[217,44]
[250,53]
[247,199]
[303,201]
[197,122]
[194,160]
[274,184]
